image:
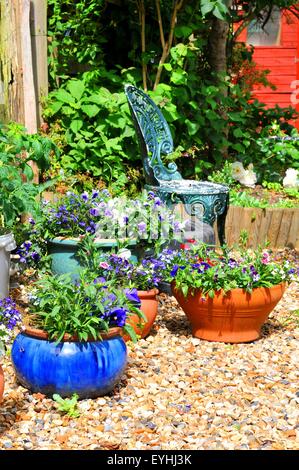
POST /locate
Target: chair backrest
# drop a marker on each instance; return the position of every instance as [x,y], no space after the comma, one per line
[153,135]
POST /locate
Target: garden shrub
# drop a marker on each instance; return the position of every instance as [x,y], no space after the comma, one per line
[100,46]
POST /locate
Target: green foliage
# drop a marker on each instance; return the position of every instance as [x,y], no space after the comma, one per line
[217,7]
[99,44]
[69,406]
[208,271]
[17,190]
[276,155]
[245,199]
[98,129]
[223,176]
[82,309]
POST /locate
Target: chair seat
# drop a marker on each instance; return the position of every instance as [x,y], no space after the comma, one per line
[193,187]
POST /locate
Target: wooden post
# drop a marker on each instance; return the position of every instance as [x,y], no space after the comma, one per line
[30,102]
[11,100]
[38,27]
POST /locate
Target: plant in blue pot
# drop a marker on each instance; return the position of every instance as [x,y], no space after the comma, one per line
[73,342]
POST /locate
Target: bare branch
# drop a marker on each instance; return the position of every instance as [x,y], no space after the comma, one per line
[162,38]
[177,6]
[141,10]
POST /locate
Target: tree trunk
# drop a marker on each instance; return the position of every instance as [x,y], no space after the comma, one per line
[218,39]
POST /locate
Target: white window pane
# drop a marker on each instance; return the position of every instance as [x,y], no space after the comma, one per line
[267,36]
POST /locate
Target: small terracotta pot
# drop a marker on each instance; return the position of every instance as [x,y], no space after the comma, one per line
[233,318]
[149,306]
[1,383]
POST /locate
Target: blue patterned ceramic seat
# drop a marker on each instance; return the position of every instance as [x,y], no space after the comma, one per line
[205,200]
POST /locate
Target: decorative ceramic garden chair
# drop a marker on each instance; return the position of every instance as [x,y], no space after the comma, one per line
[204,201]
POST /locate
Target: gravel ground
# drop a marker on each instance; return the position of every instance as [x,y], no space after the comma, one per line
[178,393]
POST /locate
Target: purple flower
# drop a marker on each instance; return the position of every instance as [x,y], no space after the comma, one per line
[99,280]
[35,256]
[108,213]
[151,195]
[94,212]
[174,270]
[31,221]
[118,316]
[84,196]
[27,245]
[256,277]
[232,263]
[204,265]
[132,296]
[94,194]
[141,227]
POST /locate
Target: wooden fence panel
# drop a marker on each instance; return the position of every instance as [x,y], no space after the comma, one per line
[280,227]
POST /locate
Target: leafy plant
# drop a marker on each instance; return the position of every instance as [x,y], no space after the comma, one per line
[68,406]
[86,309]
[202,268]
[18,190]
[97,127]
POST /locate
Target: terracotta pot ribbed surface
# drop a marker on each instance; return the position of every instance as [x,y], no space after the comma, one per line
[149,306]
[234,318]
[1,382]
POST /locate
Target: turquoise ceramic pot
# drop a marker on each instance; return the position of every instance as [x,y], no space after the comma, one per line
[64,259]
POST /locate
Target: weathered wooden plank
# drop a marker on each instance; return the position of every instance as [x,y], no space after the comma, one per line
[293,236]
[30,102]
[265,222]
[11,106]
[256,220]
[39,41]
[283,234]
[275,226]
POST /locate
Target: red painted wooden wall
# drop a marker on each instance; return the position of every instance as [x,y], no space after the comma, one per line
[282,59]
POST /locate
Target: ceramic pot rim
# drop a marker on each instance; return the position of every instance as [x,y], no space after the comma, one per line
[238,290]
[148,293]
[101,242]
[41,334]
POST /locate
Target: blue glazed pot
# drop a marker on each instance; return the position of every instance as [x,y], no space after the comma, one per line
[90,369]
[64,259]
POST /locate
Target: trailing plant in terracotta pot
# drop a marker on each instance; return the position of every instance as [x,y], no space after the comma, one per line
[141,279]
[10,317]
[73,341]
[228,295]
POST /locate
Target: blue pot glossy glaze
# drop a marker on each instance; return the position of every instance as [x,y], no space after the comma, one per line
[89,369]
[64,259]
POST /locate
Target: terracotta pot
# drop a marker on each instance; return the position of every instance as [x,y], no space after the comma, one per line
[149,306]
[1,383]
[234,318]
